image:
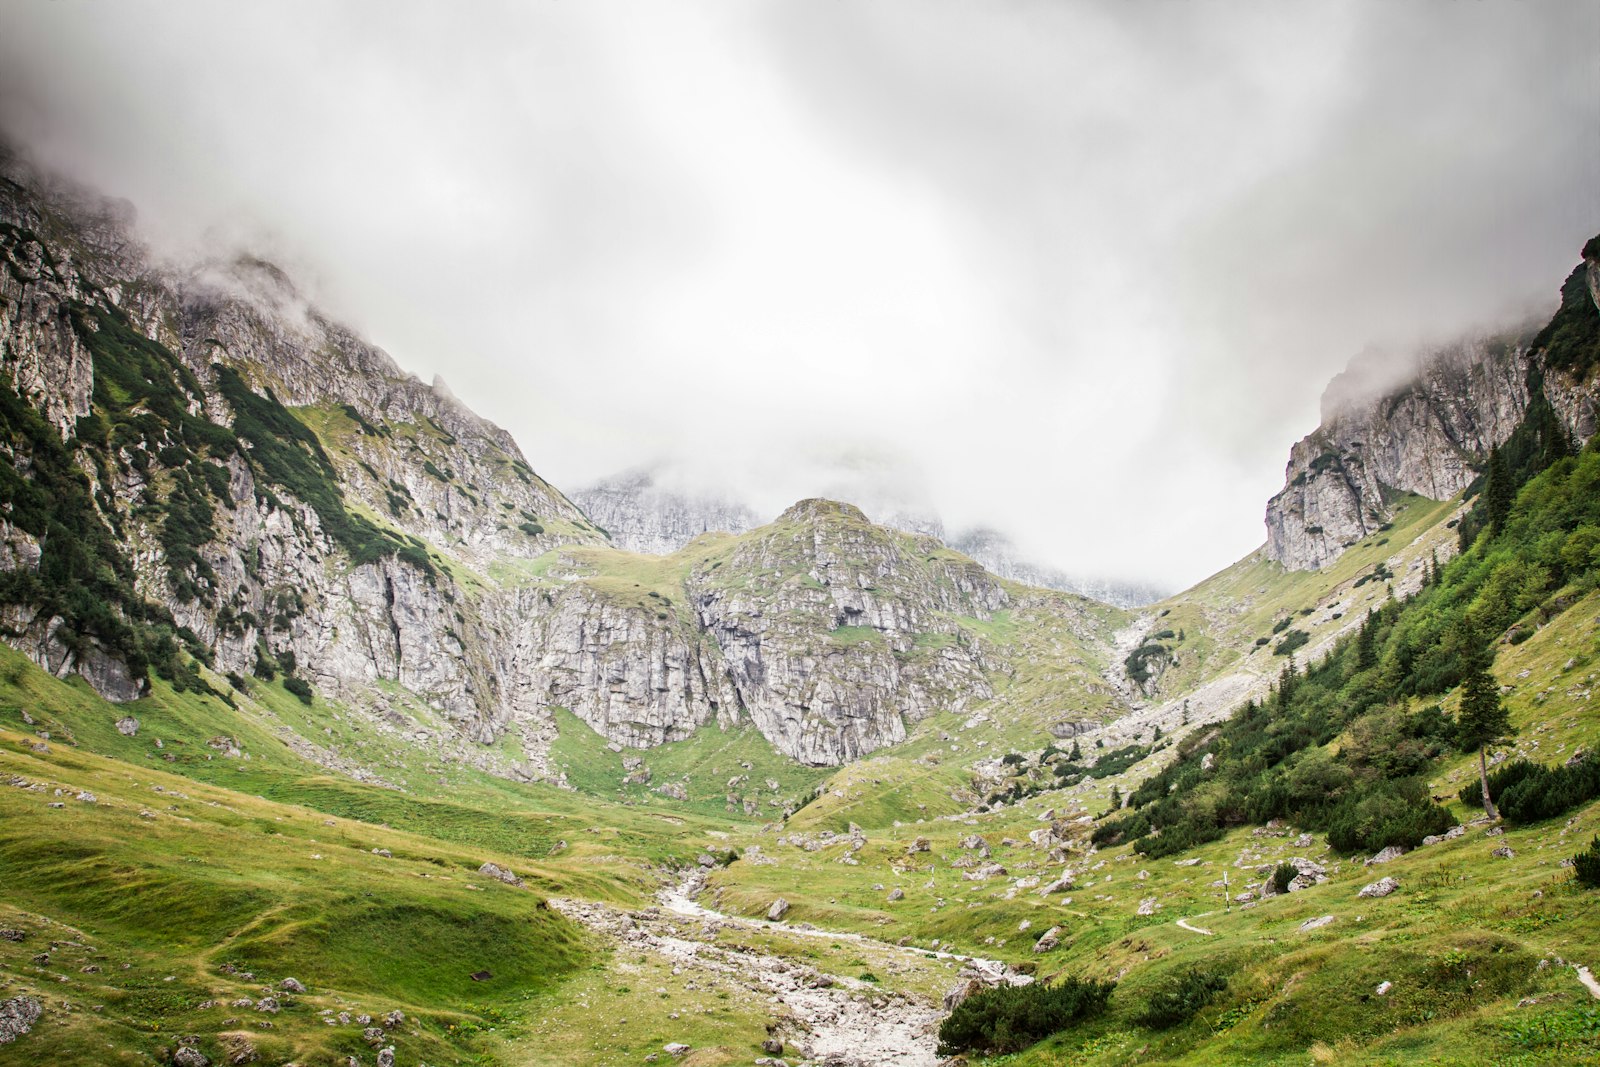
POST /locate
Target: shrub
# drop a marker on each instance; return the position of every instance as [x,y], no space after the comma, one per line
[1586,865]
[1282,875]
[1010,1018]
[1180,996]
[1527,792]
[1292,640]
[299,687]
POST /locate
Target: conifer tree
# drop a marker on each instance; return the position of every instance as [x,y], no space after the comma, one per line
[1497,493]
[1481,722]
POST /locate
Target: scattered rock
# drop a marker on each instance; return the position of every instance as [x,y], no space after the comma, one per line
[676,1048]
[386,1057]
[385,853]
[1148,906]
[1381,888]
[267,1004]
[779,909]
[675,790]
[189,1056]
[394,1019]
[13,935]
[1504,852]
[1393,852]
[17,1017]
[1316,924]
[88,797]
[372,1035]
[494,870]
[127,726]
[897,894]
[238,1050]
[772,1046]
[919,845]
[291,985]
[1383,988]
[1048,940]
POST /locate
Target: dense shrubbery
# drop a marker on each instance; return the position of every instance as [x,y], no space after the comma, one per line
[1527,792]
[299,687]
[1010,1018]
[1180,997]
[1272,757]
[1146,661]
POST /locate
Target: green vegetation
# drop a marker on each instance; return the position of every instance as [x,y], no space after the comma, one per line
[1571,341]
[1181,996]
[1009,1018]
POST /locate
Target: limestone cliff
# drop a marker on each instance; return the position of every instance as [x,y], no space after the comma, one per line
[1431,435]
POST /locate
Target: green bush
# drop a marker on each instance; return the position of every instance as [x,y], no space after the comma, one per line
[1282,875]
[299,687]
[1586,865]
[1527,792]
[1181,996]
[1011,1018]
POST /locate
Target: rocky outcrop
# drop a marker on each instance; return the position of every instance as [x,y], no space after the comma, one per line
[1432,433]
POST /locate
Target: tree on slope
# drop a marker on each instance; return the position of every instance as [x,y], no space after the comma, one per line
[1481,722]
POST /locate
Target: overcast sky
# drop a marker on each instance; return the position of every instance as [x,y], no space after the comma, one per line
[1080,271]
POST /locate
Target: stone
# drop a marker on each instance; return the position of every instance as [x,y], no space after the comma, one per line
[189,1056]
[386,1056]
[1383,988]
[1381,888]
[1048,940]
[17,1017]
[128,726]
[393,1019]
[372,1035]
[268,1005]
[917,845]
[291,985]
[1393,852]
[772,1046]
[1316,924]
[778,910]
[1148,906]
[500,874]
[1504,852]
[897,894]
[385,853]
[675,1048]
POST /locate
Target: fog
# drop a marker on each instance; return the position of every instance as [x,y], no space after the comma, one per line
[1079,272]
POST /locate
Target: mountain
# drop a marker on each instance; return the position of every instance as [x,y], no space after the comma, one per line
[642,515]
[404,760]
[1432,434]
[210,477]
[1001,556]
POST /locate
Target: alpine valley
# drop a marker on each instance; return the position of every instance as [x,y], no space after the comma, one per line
[331,733]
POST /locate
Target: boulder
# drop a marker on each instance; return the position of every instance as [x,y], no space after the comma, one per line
[189,1056]
[386,1056]
[779,909]
[127,726]
[1316,924]
[291,985]
[675,1048]
[17,1017]
[919,845]
[1381,888]
[1048,940]
[897,894]
[1504,852]
[1393,852]
[499,873]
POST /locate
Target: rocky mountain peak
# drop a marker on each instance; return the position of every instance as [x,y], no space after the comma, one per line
[821,510]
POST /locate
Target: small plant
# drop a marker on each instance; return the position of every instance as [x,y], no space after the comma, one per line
[299,687]
[1282,875]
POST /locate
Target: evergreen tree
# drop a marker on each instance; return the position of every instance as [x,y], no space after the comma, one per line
[1481,722]
[1497,493]
[1076,754]
[1116,798]
[1366,653]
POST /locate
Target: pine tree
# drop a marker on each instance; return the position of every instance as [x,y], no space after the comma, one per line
[1076,754]
[1481,722]
[1366,653]
[1497,493]
[1116,798]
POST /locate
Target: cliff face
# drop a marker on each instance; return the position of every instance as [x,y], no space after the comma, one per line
[204,478]
[1432,435]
